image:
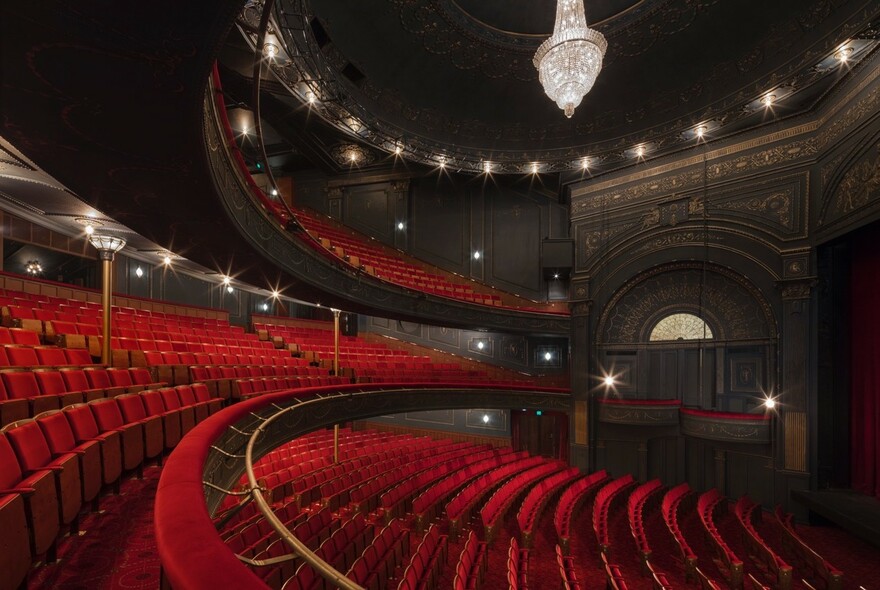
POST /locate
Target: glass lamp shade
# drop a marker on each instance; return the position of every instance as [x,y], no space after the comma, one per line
[105,243]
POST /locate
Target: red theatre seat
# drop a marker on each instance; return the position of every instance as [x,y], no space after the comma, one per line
[109,419]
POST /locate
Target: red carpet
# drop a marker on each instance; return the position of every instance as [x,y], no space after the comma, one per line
[116,550]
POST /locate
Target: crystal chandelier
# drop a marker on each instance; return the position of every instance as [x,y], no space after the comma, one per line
[569,61]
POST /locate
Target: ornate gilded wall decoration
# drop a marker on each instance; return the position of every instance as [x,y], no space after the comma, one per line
[730,304]
[777,204]
[860,185]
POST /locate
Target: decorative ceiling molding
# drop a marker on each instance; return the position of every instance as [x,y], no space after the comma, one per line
[382,117]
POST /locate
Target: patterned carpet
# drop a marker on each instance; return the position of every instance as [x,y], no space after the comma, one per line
[116,548]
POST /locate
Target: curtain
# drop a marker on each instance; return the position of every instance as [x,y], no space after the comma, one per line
[865,364]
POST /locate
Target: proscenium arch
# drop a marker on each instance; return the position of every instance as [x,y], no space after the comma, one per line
[730,303]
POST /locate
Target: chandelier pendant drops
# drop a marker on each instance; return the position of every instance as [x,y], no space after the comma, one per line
[570,60]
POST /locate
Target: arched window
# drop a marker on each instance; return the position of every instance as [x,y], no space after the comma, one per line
[681,326]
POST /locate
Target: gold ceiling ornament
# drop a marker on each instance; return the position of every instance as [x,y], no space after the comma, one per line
[570,60]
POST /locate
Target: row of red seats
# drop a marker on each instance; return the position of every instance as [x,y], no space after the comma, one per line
[26,393]
[635,508]
[677,499]
[574,496]
[707,505]
[517,566]
[427,562]
[377,563]
[341,549]
[812,561]
[255,386]
[567,570]
[747,514]
[472,564]
[426,505]
[53,465]
[493,511]
[534,502]
[398,500]
[602,506]
[43,356]
[459,508]
[368,497]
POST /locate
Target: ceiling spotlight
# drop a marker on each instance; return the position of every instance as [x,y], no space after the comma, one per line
[310,97]
[608,380]
[442,164]
[166,260]
[89,223]
[227,280]
[640,151]
[397,150]
[843,54]
[701,131]
[245,129]
[534,167]
[487,167]
[585,163]
[768,100]
[139,272]
[270,50]
[90,229]
[276,294]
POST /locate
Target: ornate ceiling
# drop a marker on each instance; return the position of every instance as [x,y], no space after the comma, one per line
[453,80]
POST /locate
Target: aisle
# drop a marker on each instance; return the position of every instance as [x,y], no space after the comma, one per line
[116,549]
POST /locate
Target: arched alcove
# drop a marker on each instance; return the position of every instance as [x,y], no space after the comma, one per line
[702,334]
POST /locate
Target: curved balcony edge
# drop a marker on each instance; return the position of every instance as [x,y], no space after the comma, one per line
[192,554]
[274,243]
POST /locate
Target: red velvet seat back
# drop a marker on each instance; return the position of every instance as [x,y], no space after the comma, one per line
[75,379]
[169,396]
[200,391]
[186,395]
[98,378]
[21,384]
[50,382]
[58,433]
[82,422]
[120,377]
[132,407]
[50,355]
[10,469]
[153,403]
[24,337]
[30,446]
[22,356]
[141,376]
[78,356]
[107,415]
